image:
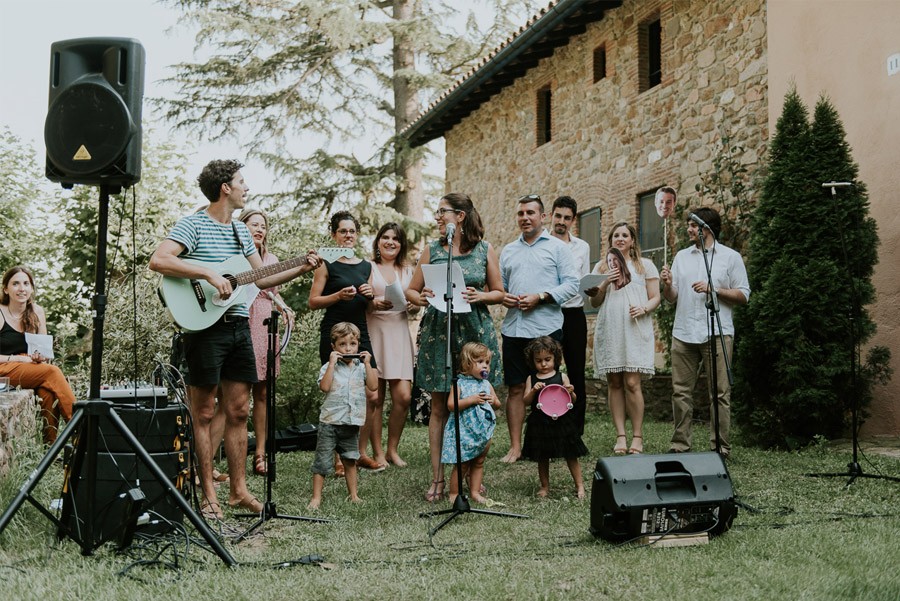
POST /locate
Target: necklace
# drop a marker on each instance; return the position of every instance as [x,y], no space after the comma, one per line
[13,315]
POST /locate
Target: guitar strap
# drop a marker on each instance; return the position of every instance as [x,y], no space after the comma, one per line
[238,238]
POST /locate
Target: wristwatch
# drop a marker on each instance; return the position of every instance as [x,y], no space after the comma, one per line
[543,298]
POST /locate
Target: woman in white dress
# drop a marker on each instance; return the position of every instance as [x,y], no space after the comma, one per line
[391,340]
[623,335]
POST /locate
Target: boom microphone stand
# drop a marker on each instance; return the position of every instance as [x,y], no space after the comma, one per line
[461,504]
[270,511]
[854,469]
[90,412]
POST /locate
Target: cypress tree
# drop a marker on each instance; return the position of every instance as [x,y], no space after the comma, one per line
[811,255]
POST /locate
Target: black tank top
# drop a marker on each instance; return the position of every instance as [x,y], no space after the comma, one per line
[341,275]
[12,341]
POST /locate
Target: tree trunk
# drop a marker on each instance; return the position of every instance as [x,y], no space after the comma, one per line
[409,198]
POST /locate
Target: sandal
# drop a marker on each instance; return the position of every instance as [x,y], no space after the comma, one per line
[620,449]
[210,510]
[250,503]
[435,492]
[259,465]
[633,450]
[218,476]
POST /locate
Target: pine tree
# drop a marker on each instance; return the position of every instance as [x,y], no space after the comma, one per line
[331,72]
[811,255]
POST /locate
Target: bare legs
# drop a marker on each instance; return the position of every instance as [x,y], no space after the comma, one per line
[627,398]
[515,418]
[436,423]
[234,406]
[544,477]
[350,475]
[401,394]
[474,469]
[259,425]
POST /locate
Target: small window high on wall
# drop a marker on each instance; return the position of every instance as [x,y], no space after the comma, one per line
[650,54]
[599,63]
[544,115]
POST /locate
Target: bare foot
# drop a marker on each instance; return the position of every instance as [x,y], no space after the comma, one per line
[543,493]
[512,456]
[479,499]
[580,492]
[394,458]
[314,504]
[354,499]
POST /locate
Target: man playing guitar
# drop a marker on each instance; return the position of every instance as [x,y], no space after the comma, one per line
[220,355]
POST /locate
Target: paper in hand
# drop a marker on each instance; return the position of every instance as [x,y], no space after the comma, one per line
[393,293]
[591,280]
[40,343]
[436,279]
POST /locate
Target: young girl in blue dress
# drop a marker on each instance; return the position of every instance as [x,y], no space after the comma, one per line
[476,419]
[548,437]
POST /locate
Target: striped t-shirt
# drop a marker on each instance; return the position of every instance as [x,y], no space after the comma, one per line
[205,239]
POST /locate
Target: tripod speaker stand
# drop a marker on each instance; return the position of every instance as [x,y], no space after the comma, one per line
[461,503]
[270,511]
[85,423]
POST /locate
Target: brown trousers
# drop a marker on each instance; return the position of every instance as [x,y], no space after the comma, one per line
[50,385]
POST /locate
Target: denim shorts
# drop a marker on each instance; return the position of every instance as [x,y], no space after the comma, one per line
[334,437]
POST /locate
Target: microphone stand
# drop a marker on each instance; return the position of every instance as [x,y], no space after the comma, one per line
[712,303]
[461,504]
[270,511]
[854,469]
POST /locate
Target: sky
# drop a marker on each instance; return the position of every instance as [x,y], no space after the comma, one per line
[29,27]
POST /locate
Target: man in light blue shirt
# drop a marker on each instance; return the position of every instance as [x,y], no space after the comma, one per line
[538,275]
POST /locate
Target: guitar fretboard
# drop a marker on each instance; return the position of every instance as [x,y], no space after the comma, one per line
[248,277]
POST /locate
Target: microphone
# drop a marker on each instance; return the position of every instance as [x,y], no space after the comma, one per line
[693,217]
[837,184]
[451,229]
[278,303]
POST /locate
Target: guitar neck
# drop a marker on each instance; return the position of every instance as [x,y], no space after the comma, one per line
[248,277]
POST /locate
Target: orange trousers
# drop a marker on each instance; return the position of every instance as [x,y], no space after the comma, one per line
[50,385]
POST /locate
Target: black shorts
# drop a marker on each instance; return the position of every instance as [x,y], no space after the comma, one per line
[515,369]
[223,351]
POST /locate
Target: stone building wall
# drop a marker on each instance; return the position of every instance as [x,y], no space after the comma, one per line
[611,142]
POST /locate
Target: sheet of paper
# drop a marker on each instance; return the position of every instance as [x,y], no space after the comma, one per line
[393,293]
[436,279]
[40,343]
[589,281]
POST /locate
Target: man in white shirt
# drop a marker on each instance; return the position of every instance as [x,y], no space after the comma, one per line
[574,321]
[686,284]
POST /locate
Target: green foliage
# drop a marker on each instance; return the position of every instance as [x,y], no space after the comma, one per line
[19,201]
[812,256]
[329,74]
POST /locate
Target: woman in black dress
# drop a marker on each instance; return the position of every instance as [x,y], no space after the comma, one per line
[342,288]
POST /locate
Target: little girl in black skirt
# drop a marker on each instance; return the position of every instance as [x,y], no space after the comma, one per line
[548,437]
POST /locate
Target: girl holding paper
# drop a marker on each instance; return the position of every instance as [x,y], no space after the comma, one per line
[392,344]
[480,266]
[20,314]
[623,335]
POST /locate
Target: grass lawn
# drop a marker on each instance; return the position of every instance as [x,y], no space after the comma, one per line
[808,538]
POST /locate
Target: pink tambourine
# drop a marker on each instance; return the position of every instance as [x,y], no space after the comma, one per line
[554,400]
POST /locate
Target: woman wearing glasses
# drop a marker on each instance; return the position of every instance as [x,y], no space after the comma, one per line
[480,266]
[342,288]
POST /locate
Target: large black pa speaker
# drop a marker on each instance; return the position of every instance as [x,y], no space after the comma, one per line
[93,127]
[681,493]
